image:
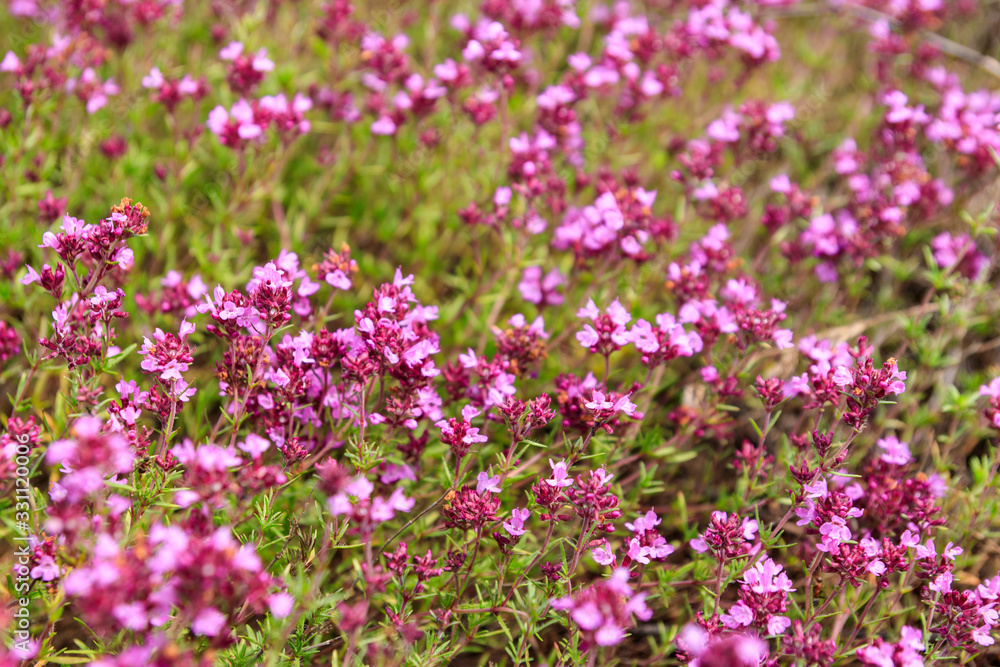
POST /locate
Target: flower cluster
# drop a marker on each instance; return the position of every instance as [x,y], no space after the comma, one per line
[763,599]
[604,612]
[642,350]
[246,122]
[904,653]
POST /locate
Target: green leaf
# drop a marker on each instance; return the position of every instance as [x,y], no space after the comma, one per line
[111,362]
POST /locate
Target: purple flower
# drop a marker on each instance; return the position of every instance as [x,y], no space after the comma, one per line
[603,612]
[560,477]
[515,527]
[208,623]
[539,290]
[383,127]
[896,452]
[486,483]
[254,445]
[603,554]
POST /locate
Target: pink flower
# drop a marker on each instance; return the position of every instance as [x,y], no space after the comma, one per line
[486,483]
[541,290]
[608,332]
[560,477]
[739,615]
[153,80]
[603,554]
[231,51]
[280,604]
[896,452]
[124,258]
[32,277]
[941,583]
[588,337]
[992,389]
[604,611]
[515,526]
[739,290]
[10,62]
[843,377]
[776,625]
[209,622]
[637,551]
[383,127]
[254,445]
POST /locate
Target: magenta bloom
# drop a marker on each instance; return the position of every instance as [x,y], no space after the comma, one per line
[604,612]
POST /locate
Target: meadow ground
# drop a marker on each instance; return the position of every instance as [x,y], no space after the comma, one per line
[523,332]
